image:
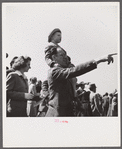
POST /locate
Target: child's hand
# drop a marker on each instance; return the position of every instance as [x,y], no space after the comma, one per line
[55,65]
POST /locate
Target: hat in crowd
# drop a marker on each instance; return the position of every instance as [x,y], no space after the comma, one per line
[52,33]
[81,83]
[92,85]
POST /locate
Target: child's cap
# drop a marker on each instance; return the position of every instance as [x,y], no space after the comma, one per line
[52,33]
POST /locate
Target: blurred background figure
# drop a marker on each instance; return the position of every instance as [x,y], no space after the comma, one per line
[38,86]
[17,88]
[38,89]
[43,106]
[110,105]
[80,87]
[105,104]
[83,96]
[45,91]
[31,109]
[95,101]
[115,104]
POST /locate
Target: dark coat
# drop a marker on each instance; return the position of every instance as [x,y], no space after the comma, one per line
[16,87]
[85,109]
[61,90]
[105,105]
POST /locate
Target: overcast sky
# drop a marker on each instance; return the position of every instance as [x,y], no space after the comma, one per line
[89,30]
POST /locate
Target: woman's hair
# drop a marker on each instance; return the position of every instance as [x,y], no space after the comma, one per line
[20,62]
[13,60]
[33,80]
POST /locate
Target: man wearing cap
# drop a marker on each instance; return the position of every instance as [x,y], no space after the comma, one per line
[95,101]
[60,88]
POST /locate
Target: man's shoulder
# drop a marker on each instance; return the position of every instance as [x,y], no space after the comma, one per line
[54,70]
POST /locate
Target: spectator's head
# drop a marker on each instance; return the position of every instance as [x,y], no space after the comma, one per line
[33,80]
[111,95]
[12,61]
[6,55]
[7,68]
[55,36]
[22,63]
[106,94]
[81,84]
[92,87]
[39,83]
[59,56]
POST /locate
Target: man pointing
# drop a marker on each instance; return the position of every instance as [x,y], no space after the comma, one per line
[60,87]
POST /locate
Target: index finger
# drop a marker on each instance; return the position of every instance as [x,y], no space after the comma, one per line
[112,54]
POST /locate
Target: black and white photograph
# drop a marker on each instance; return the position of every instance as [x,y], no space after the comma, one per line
[61,74]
